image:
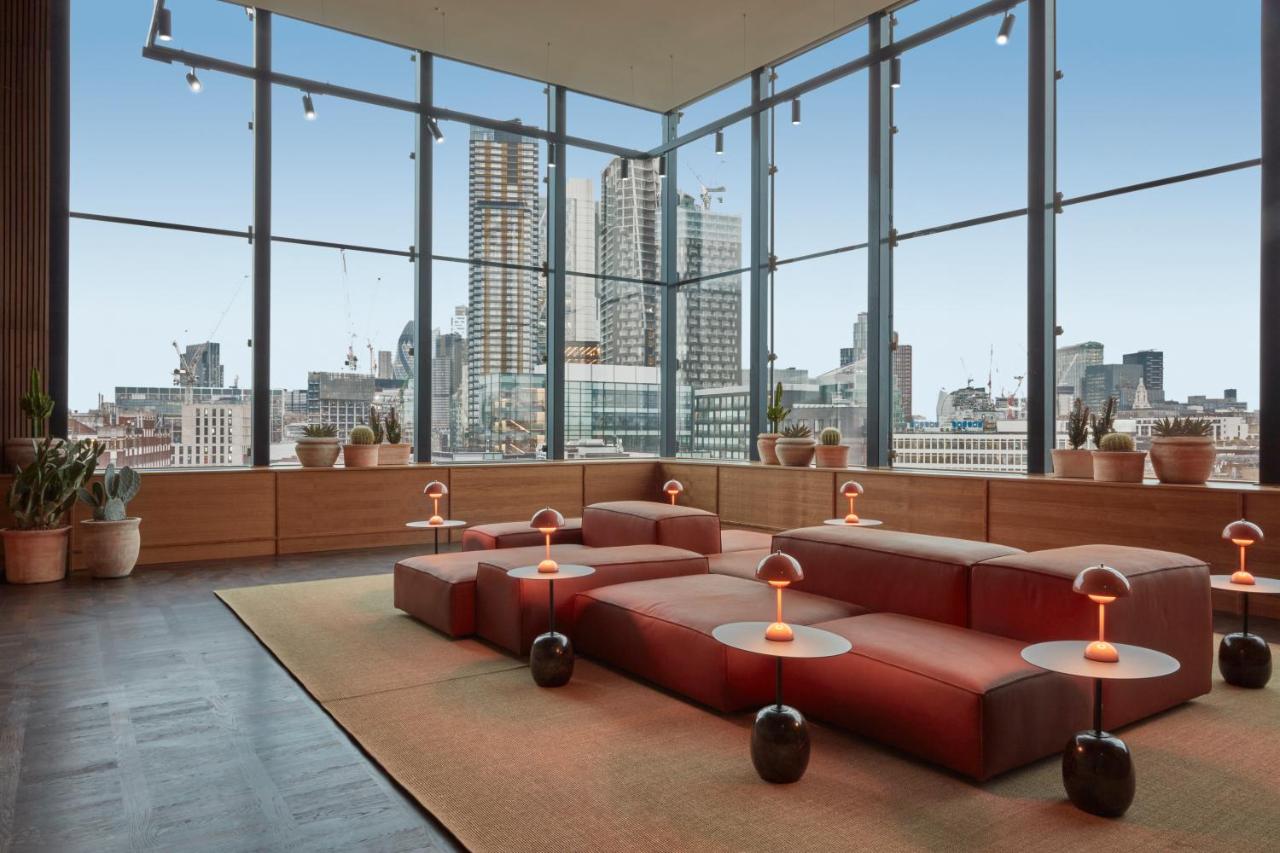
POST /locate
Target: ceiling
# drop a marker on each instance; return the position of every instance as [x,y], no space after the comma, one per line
[657,54]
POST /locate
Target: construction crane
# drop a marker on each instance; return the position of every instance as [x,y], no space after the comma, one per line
[184,375]
[705,192]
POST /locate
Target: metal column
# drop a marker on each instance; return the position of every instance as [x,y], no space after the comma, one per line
[1041,252]
[879,248]
[262,238]
[423,140]
[556,204]
[59,213]
[1269,287]
[758,335]
[668,326]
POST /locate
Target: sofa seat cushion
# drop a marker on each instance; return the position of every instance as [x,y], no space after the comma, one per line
[511,612]
[613,523]
[954,696]
[744,540]
[1028,597]
[517,534]
[887,570]
[739,564]
[661,630]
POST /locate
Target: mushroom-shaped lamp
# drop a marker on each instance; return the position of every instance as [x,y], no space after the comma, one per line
[1242,534]
[779,570]
[1103,585]
[435,490]
[673,488]
[851,490]
[547,521]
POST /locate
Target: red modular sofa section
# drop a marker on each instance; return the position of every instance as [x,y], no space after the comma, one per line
[517,534]
[613,523]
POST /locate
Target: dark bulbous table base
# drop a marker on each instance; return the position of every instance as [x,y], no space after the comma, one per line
[1097,771]
[780,744]
[551,660]
[1245,660]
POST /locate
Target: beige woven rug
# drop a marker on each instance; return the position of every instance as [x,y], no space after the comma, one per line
[608,763]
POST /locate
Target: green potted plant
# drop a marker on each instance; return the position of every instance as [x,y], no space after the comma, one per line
[795,446]
[1182,450]
[37,406]
[35,549]
[1102,425]
[830,452]
[111,538]
[360,450]
[1075,461]
[1115,460]
[319,446]
[393,452]
[775,413]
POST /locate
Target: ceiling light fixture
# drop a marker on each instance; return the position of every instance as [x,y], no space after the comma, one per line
[795,111]
[551,155]
[164,25]
[434,127]
[1006,29]
[193,81]
[308,108]
[662,166]
[895,73]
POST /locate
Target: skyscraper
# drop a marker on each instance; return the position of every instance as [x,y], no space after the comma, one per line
[860,337]
[458,322]
[900,364]
[1072,362]
[581,302]
[1152,363]
[709,328]
[205,362]
[1111,380]
[630,238]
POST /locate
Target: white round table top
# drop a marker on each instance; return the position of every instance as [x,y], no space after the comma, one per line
[567,570]
[1067,656]
[862,522]
[808,642]
[1261,586]
[445,525]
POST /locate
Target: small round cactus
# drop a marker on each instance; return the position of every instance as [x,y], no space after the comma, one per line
[361,435]
[1116,442]
[830,436]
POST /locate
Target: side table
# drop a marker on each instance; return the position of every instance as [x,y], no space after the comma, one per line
[1244,658]
[447,524]
[551,656]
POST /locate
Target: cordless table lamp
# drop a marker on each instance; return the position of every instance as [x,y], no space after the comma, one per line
[1103,585]
[435,490]
[779,570]
[547,521]
[673,488]
[1242,534]
[851,490]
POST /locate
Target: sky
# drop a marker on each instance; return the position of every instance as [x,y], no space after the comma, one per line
[1149,89]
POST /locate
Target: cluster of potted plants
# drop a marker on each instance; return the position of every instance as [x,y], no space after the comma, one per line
[41,494]
[319,446]
[794,446]
[1182,449]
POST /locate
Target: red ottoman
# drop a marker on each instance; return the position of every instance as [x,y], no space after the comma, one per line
[661,630]
[738,564]
[605,525]
[956,697]
[1028,597]
[517,534]
[511,612]
[744,540]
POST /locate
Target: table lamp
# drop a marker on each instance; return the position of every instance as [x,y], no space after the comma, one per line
[851,490]
[435,490]
[548,521]
[673,488]
[779,570]
[1103,585]
[1242,534]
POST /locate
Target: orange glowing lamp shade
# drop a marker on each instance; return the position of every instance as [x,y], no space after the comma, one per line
[1242,534]
[779,570]
[547,521]
[1103,585]
[851,490]
[435,490]
[673,488]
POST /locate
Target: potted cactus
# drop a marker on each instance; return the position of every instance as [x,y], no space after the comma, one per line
[35,549]
[795,446]
[830,452]
[1075,461]
[1102,425]
[1115,460]
[111,538]
[319,446]
[360,451]
[37,406]
[393,452]
[1182,450]
[775,413]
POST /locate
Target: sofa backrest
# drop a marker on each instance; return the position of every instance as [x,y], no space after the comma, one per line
[614,523]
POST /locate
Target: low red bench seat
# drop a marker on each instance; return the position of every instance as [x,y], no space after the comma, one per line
[612,523]
[517,534]
[744,540]
[739,564]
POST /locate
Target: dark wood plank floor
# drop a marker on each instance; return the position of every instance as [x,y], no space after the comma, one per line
[140,714]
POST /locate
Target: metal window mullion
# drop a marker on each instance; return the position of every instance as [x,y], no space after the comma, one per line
[58,283]
[758,366]
[261,435]
[1269,258]
[670,294]
[880,249]
[1041,228]
[422,283]
[556,236]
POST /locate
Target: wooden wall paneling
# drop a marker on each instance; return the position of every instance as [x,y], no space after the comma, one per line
[776,498]
[485,494]
[619,481]
[940,506]
[701,483]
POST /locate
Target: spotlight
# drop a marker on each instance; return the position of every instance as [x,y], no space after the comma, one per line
[551,155]
[164,25]
[434,127]
[308,108]
[193,81]
[626,168]
[895,73]
[719,141]
[662,166]
[1006,28]
[249,12]
[795,111]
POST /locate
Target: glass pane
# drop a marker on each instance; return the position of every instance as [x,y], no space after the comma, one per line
[602,120]
[321,53]
[823,57]
[215,29]
[1163,316]
[160,367]
[341,340]
[921,14]
[712,394]
[960,313]
[733,97]
[492,94]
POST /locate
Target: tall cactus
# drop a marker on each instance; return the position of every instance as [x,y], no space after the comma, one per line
[375,424]
[110,497]
[36,404]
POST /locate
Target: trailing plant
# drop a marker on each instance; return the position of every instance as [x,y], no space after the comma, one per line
[375,424]
[830,436]
[775,412]
[36,404]
[361,435]
[43,491]
[110,497]
[1182,427]
[1116,442]
[797,431]
[320,431]
[1102,425]
[394,431]
[1078,425]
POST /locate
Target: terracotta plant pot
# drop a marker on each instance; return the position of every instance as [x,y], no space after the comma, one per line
[1073,464]
[111,547]
[1119,466]
[832,455]
[795,452]
[1186,459]
[360,455]
[766,443]
[394,454]
[35,556]
[317,452]
[20,451]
